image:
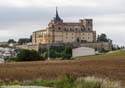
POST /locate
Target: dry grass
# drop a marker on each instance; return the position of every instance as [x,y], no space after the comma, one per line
[110,66]
[104,83]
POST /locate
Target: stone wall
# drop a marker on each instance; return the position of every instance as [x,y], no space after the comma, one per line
[98,46]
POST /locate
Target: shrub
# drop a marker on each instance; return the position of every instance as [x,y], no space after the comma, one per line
[65,82]
[67,53]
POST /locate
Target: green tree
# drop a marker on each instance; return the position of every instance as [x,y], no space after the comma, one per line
[28,55]
[67,53]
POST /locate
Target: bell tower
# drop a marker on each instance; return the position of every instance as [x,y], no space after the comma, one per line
[57,17]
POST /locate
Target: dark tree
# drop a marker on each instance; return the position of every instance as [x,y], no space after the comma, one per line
[28,55]
[67,53]
[30,38]
[11,41]
[24,41]
[102,38]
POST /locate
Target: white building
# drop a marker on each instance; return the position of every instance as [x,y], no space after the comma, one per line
[1,60]
[83,51]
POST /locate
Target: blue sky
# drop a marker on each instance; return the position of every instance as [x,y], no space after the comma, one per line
[19,18]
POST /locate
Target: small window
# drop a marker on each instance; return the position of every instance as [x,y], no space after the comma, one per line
[89,29]
[65,29]
[52,26]
[59,28]
[76,29]
[88,22]
[53,30]
[70,29]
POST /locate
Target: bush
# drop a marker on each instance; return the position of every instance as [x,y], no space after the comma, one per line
[67,53]
[57,52]
[28,55]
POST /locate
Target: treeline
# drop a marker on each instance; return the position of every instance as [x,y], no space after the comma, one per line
[62,52]
[53,53]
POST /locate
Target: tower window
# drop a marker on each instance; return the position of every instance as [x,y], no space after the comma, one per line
[52,26]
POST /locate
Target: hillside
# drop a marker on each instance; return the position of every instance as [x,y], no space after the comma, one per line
[111,65]
[110,55]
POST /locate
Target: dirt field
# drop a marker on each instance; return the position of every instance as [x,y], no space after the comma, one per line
[109,65]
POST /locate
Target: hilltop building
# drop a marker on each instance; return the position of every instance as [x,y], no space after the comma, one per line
[65,32]
[73,34]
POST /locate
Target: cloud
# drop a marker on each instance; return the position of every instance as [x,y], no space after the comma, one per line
[46,3]
[51,3]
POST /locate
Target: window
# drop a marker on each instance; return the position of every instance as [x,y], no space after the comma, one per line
[76,29]
[59,28]
[81,29]
[88,22]
[53,30]
[65,29]
[89,29]
[52,26]
[70,29]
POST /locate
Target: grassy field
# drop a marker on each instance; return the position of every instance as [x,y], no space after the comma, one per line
[110,65]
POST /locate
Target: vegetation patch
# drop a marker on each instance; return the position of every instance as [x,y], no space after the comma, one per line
[69,81]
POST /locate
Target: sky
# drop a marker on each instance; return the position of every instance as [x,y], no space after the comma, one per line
[19,18]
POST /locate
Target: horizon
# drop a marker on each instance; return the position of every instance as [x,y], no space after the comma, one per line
[19,18]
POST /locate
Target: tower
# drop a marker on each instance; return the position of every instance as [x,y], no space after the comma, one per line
[57,18]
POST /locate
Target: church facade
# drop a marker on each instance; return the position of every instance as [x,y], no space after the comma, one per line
[65,32]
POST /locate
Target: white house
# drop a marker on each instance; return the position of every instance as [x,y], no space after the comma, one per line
[83,51]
